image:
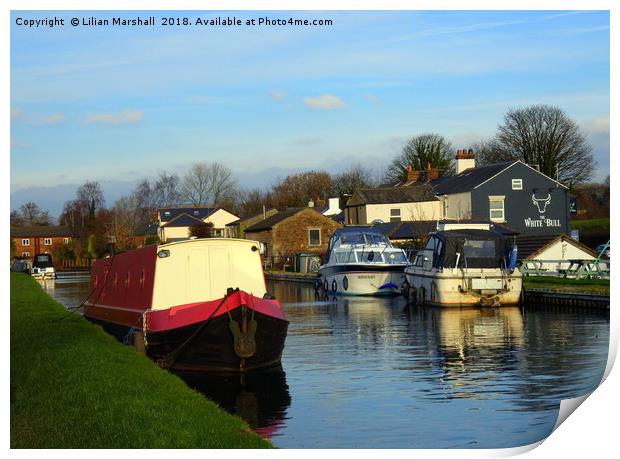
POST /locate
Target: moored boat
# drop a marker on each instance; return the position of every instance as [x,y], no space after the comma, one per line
[464,265]
[195,305]
[43,267]
[362,261]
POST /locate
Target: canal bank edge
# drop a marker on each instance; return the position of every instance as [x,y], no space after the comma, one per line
[74,386]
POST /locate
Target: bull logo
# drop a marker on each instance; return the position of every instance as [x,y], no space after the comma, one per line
[541,204]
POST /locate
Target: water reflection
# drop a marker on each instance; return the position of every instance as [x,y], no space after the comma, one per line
[375,373]
[261,399]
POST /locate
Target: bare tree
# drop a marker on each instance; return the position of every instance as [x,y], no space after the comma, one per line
[16,218]
[298,189]
[545,137]
[31,214]
[208,183]
[124,221]
[419,152]
[351,180]
[91,197]
[166,189]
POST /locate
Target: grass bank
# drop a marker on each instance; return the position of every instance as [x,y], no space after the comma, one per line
[600,286]
[598,223]
[75,386]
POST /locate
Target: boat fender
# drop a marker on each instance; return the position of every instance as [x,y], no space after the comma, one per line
[326,286]
[345,283]
[244,343]
[334,286]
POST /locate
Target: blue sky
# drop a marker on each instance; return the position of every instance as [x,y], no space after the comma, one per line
[117,104]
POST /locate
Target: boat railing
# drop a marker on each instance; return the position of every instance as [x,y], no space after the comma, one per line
[574,269]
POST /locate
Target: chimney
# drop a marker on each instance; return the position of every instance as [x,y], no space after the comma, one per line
[431,173]
[412,176]
[465,159]
[334,207]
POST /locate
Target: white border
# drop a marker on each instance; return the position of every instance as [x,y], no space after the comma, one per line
[590,432]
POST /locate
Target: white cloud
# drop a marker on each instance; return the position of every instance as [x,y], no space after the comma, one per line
[278,95]
[598,125]
[124,117]
[54,118]
[324,102]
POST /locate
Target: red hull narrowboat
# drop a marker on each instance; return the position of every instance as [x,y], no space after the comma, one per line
[196,305]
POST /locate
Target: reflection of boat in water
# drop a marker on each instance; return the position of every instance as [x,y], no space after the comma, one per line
[260,398]
[362,261]
[196,304]
[464,265]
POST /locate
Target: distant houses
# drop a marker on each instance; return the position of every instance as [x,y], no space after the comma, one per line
[511,194]
[175,223]
[27,241]
[292,231]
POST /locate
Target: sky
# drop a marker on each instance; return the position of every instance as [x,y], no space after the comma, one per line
[117,104]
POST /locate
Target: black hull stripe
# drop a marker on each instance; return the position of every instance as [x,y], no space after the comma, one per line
[341,269]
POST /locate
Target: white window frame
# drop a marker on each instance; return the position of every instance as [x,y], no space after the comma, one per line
[517,184]
[497,219]
[47,241]
[26,254]
[25,241]
[310,237]
[65,240]
[399,216]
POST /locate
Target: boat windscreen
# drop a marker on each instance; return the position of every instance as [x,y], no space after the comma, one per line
[43,261]
[474,253]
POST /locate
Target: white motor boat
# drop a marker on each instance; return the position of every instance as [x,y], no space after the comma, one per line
[362,261]
[464,265]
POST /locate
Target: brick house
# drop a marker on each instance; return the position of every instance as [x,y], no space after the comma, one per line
[292,231]
[30,240]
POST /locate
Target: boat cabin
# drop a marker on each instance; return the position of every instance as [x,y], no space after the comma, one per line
[465,248]
[362,245]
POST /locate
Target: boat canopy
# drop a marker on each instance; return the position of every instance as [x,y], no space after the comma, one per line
[468,249]
[42,260]
[355,236]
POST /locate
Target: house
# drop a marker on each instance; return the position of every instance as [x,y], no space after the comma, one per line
[26,241]
[511,193]
[291,231]
[555,254]
[175,222]
[412,202]
[237,228]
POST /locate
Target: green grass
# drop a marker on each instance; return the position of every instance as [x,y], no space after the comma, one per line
[595,223]
[75,386]
[600,286]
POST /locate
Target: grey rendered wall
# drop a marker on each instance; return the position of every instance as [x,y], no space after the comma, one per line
[546,215]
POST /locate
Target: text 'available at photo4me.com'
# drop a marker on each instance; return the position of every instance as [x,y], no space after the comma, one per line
[171,21]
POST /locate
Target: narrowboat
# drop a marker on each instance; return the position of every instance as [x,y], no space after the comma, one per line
[42,267]
[193,305]
[362,261]
[464,265]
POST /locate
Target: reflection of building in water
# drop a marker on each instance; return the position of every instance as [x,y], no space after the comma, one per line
[260,398]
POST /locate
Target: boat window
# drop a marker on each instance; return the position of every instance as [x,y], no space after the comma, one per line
[127,279]
[430,245]
[344,257]
[376,239]
[353,238]
[479,249]
[395,257]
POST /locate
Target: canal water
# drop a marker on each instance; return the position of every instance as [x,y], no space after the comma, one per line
[375,373]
